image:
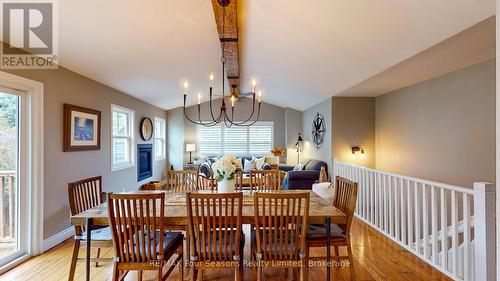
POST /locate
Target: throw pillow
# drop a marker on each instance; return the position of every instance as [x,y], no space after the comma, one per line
[259,162]
[249,165]
[299,167]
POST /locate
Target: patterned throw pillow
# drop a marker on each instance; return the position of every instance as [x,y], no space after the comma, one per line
[249,165]
[259,162]
[298,167]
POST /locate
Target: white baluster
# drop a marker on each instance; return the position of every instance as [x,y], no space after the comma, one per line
[397,222]
[454,231]
[386,211]
[466,225]
[391,203]
[434,224]
[425,221]
[409,213]
[417,219]
[444,230]
[404,207]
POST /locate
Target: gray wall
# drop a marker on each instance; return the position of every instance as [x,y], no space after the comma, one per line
[354,125]
[442,129]
[293,128]
[63,86]
[323,153]
[175,138]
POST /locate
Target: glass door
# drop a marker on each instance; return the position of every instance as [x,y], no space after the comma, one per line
[10,245]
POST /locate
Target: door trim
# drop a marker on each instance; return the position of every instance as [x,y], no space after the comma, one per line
[34,161]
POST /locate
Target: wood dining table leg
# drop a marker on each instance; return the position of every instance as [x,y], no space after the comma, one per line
[328,258]
[87,254]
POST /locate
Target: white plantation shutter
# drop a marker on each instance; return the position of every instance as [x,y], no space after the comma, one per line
[261,139]
[235,140]
[256,140]
[210,140]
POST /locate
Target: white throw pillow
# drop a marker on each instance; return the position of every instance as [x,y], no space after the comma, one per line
[249,165]
[259,162]
[299,167]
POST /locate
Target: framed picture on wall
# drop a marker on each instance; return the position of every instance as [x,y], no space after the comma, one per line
[81,129]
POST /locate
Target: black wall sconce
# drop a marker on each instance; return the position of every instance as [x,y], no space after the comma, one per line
[357,152]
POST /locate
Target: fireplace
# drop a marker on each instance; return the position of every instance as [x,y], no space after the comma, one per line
[144,161]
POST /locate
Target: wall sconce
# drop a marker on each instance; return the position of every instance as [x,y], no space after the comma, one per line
[357,152]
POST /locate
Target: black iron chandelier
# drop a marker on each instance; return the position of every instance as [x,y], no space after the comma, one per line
[223,115]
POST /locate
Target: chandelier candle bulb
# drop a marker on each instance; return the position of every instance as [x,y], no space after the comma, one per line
[260,96]
[199,98]
[211,79]
[253,85]
[232,101]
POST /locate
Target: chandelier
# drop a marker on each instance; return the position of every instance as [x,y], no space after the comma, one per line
[223,116]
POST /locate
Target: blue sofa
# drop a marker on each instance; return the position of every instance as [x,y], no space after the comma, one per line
[305,178]
[206,167]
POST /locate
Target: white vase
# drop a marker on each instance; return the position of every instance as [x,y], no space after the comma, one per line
[226,186]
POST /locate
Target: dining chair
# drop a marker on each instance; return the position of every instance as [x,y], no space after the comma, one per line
[217,241]
[83,195]
[238,177]
[279,237]
[182,181]
[206,183]
[261,180]
[344,199]
[139,236]
[150,186]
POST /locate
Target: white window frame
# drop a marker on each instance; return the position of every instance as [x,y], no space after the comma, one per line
[131,138]
[247,153]
[163,121]
[31,172]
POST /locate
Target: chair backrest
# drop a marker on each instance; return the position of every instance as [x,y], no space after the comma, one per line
[182,181]
[206,183]
[83,195]
[281,224]
[215,225]
[238,177]
[136,226]
[344,199]
[265,180]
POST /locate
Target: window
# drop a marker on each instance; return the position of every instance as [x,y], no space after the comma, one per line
[122,152]
[256,140]
[160,142]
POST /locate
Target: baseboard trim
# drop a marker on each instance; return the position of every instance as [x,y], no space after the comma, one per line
[57,238]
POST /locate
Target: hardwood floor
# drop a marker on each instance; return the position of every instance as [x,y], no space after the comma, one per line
[376,258]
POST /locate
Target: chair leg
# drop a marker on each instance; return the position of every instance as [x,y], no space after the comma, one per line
[304,269]
[194,273]
[351,261]
[97,256]
[259,271]
[74,258]
[116,272]
[160,272]
[181,261]
[139,275]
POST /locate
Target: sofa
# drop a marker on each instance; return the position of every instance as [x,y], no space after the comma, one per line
[206,167]
[305,178]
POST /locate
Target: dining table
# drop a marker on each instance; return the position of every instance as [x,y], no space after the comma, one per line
[320,212]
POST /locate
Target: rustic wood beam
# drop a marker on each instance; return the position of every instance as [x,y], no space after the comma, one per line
[230,39]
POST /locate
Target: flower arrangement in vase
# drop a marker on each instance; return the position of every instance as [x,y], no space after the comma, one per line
[278,151]
[225,170]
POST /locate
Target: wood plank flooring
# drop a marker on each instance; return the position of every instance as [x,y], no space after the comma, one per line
[376,258]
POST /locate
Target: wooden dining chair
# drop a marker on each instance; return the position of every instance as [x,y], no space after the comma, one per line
[150,186]
[238,177]
[206,183]
[217,241]
[279,238]
[182,181]
[261,180]
[344,199]
[139,236]
[83,195]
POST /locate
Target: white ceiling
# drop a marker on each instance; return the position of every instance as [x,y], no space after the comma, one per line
[301,52]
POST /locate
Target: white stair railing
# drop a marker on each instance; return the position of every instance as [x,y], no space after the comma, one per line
[435,221]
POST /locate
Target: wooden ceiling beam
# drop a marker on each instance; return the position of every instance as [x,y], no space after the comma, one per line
[230,39]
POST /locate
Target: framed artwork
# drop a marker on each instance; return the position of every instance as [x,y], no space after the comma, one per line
[81,129]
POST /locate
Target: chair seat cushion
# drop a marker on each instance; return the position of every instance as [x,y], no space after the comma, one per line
[171,241]
[318,231]
[101,234]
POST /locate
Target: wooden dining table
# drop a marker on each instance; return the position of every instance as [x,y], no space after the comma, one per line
[320,212]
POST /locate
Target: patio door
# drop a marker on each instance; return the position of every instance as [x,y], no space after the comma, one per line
[12,243]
